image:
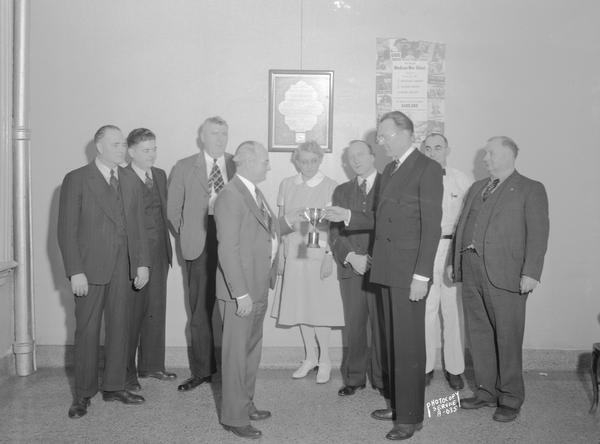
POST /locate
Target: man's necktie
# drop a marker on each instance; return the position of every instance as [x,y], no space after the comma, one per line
[264,210]
[215,179]
[149,182]
[114,182]
[443,171]
[489,189]
[363,187]
[396,164]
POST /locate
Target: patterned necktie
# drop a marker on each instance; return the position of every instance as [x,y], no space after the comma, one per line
[264,210]
[396,163]
[149,182]
[363,187]
[490,188]
[215,179]
[114,182]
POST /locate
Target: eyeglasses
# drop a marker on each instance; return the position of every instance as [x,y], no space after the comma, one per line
[381,137]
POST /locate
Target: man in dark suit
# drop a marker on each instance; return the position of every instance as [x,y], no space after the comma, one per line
[499,249]
[352,250]
[147,314]
[248,235]
[407,233]
[193,187]
[104,247]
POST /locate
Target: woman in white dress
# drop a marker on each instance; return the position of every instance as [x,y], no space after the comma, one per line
[310,294]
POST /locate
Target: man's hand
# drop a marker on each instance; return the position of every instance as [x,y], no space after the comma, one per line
[527,284]
[418,290]
[326,266]
[360,262]
[244,306]
[142,278]
[337,214]
[79,284]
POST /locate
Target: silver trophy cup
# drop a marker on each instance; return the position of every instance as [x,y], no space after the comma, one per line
[314,217]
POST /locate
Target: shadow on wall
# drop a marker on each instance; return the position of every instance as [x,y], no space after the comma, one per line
[479,170]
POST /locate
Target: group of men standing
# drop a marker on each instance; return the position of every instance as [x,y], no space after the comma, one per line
[400,239]
[401,252]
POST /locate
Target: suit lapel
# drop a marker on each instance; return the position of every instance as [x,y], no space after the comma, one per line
[200,175]
[251,202]
[101,190]
[126,186]
[506,191]
[401,175]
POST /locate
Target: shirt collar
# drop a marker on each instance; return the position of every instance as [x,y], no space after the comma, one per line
[370,179]
[251,187]
[106,170]
[408,152]
[210,160]
[503,177]
[312,182]
[140,172]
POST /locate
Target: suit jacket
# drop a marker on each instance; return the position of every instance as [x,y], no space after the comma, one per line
[245,262]
[160,179]
[87,224]
[516,234]
[187,204]
[344,241]
[407,221]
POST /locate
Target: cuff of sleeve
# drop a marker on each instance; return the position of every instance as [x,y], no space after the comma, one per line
[418,277]
[347,221]
[242,297]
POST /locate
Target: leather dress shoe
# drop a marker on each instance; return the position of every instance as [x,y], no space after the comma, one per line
[505,414]
[476,403]
[455,381]
[192,383]
[246,431]
[123,396]
[383,414]
[79,407]
[428,378]
[403,431]
[349,390]
[133,386]
[259,415]
[161,375]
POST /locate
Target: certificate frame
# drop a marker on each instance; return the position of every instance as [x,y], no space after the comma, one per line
[300,108]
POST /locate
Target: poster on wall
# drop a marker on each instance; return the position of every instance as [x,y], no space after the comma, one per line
[410,77]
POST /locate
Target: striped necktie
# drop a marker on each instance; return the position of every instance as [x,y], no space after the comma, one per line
[149,182]
[215,179]
[489,189]
[114,182]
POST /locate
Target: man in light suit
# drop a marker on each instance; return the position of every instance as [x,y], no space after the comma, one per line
[352,251]
[407,233]
[248,234]
[103,242]
[147,320]
[194,184]
[499,249]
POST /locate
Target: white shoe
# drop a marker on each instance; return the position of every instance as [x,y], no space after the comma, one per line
[324,372]
[304,369]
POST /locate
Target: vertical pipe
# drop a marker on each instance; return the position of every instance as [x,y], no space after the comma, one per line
[23,346]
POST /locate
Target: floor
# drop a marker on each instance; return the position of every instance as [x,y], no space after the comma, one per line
[34,409]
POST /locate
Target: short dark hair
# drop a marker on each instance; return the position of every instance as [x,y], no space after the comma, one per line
[364,142]
[401,120]
[507,142]
[139,135]
[102,130]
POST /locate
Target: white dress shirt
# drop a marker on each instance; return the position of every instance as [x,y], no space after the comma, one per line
[456,185]
[141,173]
[106,170]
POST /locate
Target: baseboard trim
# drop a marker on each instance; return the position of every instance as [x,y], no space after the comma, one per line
[290,357]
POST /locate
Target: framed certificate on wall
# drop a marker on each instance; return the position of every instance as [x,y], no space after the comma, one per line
[300,109]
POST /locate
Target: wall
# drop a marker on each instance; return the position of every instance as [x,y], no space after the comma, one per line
[528,69]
